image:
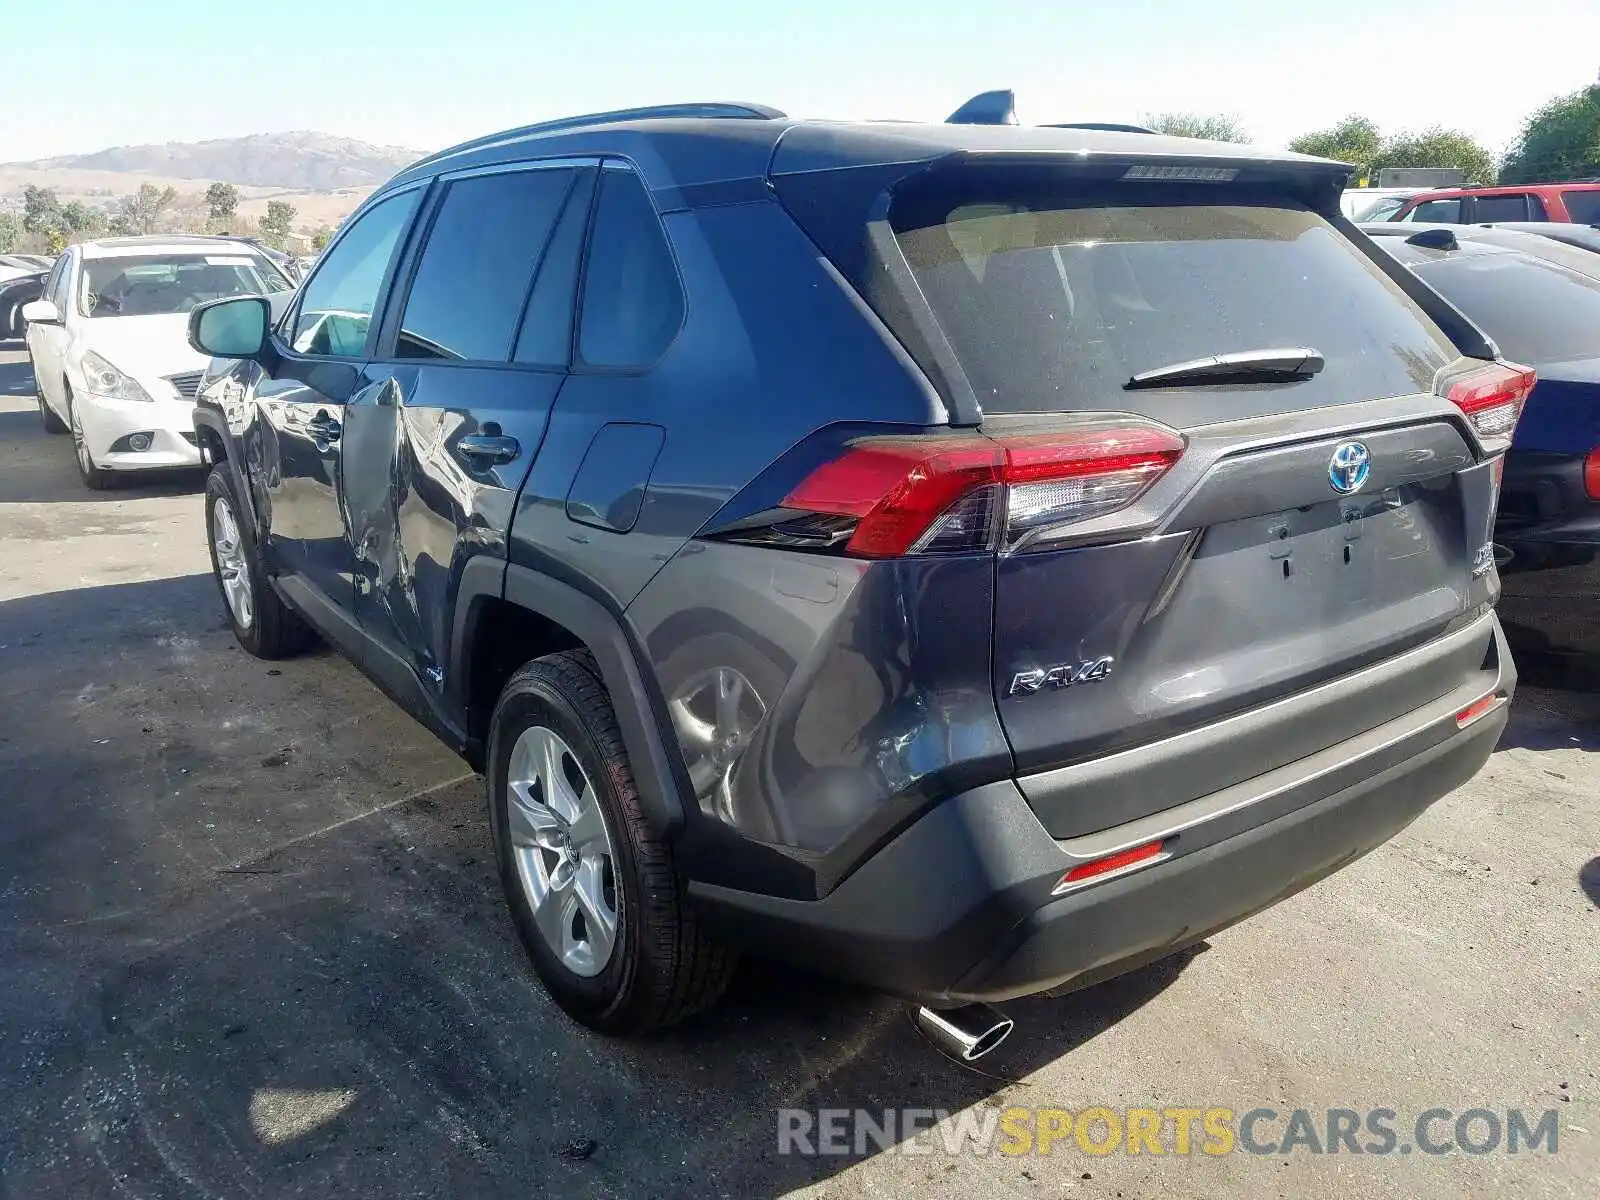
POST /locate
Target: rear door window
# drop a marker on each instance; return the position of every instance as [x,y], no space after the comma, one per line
[1500,208]
[1536,311]
[1447,212]
[1053,302]
[483,249]
[1583,207]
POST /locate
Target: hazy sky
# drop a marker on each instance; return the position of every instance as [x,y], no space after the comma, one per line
[85,74]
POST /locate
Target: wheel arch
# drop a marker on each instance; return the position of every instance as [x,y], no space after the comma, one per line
[218,448]
[507,614]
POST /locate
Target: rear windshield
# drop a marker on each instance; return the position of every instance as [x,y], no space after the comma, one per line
[1583,207]
[1536,311]
[1053,302]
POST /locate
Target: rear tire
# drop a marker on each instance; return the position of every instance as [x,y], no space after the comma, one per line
[658,967]
[52,423]
[263,624]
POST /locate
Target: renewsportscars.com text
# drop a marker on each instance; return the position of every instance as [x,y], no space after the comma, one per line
[1171,1130]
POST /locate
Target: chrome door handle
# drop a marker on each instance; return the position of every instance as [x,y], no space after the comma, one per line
[488,449]
[324,428]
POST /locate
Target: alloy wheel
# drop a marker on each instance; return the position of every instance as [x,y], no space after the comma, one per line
[562,850]
[81,447]
[232,568]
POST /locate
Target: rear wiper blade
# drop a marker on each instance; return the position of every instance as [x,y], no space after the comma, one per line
[1243,366]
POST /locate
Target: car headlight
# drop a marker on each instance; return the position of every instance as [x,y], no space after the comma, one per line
[101,378]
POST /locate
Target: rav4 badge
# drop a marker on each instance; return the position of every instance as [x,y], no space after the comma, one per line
[1063,675]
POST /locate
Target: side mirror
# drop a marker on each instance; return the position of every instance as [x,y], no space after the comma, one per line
[233,327]
[41,312]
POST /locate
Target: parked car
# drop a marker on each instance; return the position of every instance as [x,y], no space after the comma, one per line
[15,292]
[1375,204]
[1586,237]
[15,266]
[108,347]
[973,560]
[1538,304]
[1530,239]
[1578,203]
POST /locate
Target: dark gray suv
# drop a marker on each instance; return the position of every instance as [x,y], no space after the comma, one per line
[972,560]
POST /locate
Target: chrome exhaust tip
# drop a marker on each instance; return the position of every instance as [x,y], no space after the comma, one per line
[968,1032]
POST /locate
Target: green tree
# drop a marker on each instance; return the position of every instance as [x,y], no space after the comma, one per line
[142,212]
[321,237]
[1354,140]
[1437,148]
[41,211]
[223,201]
[1222,128]
[10,232]
[278,223]
[82,221]
[1559,141]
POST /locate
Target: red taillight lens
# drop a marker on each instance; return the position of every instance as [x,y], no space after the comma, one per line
[1492,398]
[948,494]
[1591,474]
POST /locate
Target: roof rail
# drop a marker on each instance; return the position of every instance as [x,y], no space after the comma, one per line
[656,112]
[987,108]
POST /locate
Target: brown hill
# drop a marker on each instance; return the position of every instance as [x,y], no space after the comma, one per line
[298,162]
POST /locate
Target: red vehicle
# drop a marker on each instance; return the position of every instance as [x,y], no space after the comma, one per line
[1575,202]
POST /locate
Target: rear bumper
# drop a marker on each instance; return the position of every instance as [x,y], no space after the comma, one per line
[959,906]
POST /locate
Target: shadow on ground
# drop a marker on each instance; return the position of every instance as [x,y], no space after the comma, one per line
[38,468]
[1544,717]
[1589,880]
[16,375]
[254,945]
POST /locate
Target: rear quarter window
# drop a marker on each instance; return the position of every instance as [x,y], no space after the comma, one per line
[1052,303]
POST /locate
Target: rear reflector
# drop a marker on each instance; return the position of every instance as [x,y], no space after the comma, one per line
[1591,474]
[1478,709]
[1492,398]
[943,495]
[1119,863]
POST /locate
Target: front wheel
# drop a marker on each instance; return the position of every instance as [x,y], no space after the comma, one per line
[595,895]
[93,477]
[263,624]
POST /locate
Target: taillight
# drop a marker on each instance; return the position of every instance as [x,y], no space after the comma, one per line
[1492,397]
[941,495]
[1591,474]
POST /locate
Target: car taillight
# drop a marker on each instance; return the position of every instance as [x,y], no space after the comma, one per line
[1492,397]
[1591,474]
[941,495]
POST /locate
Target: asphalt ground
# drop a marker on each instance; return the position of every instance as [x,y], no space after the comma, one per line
[251,945]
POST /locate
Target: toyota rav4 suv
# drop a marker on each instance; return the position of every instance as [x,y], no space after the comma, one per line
[968,559]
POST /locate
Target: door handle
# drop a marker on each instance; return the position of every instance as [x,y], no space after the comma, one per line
[488,449]
[324,428]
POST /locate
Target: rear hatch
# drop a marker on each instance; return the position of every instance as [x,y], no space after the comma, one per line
[1328,510]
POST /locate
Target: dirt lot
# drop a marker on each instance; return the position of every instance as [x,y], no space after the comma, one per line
[253,946]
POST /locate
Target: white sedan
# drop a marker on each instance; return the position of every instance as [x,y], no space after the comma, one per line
[110,348]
